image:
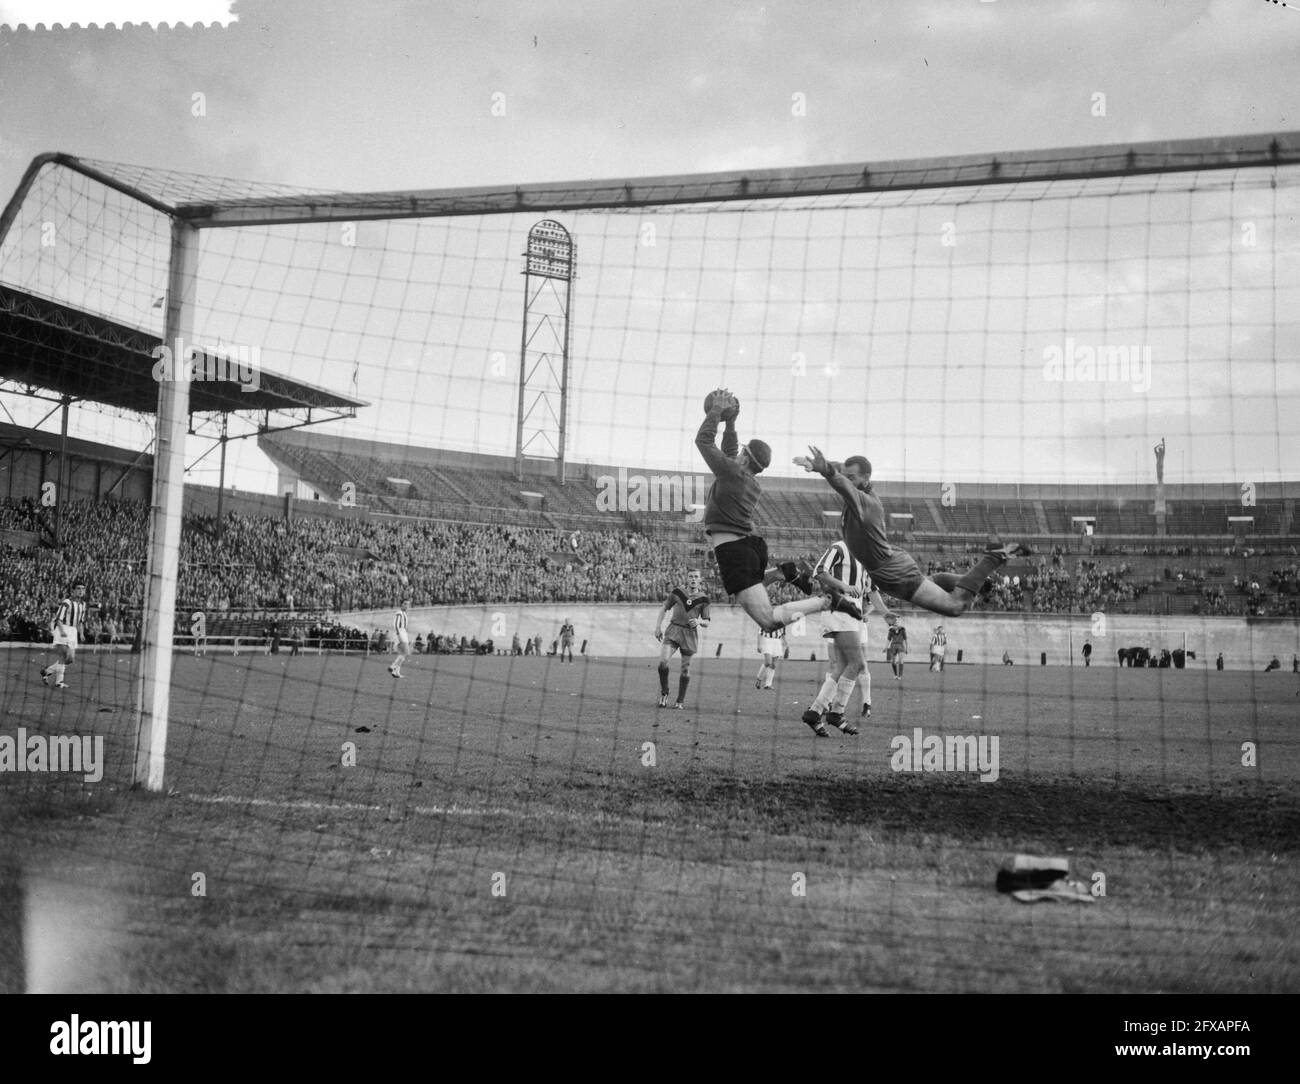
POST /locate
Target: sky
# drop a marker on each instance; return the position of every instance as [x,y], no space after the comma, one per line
[935,334]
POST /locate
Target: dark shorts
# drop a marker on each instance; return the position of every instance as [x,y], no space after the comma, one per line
[742,563]
[900,576]
[686,639]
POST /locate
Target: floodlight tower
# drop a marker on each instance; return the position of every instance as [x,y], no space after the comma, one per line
[549,267]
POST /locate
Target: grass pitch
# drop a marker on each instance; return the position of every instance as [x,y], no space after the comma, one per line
[491,824]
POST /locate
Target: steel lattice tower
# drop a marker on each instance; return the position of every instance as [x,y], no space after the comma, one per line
[549,267]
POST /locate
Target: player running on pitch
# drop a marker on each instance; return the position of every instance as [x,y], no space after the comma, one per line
[401,638]
[895,572]
[689,611]
[839,570]
[729,520]
[66,630]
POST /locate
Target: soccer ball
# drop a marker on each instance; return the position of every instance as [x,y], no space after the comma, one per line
[708,405]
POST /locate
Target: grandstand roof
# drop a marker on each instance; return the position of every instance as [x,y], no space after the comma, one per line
[54,348]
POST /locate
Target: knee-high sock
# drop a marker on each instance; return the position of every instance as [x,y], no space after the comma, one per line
[59,669]
[974,579]
[864,683]
[663,678]
[771,676]
[682,682]
[788,611]
[824,694]
[843,690]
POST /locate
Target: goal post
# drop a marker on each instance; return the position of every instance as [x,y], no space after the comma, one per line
[158,618]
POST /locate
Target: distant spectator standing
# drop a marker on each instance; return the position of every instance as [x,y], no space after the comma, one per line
[1087,653]
[1218,663]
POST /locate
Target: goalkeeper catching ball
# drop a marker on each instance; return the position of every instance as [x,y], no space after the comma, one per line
[729,519]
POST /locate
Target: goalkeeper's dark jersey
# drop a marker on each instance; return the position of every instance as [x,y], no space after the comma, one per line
[735,492]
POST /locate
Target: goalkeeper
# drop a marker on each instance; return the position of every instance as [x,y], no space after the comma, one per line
[729,520]
[862,525]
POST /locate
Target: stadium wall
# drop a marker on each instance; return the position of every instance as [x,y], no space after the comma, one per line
[626,631]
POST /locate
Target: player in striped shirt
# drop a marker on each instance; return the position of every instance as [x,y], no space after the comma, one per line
[938,648]
[838,570]
[66,630]
[401,638]
[689,611]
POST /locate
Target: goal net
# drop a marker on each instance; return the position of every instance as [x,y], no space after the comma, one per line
[402,667]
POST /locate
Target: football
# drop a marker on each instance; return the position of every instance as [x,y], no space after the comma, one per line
[708,403]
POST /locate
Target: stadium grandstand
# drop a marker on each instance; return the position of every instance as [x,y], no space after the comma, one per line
[486,537]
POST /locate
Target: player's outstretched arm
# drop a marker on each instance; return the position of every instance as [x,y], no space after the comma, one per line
[706,438]
[730,438]
[819,464]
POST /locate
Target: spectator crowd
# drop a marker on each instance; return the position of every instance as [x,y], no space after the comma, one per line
[320,565]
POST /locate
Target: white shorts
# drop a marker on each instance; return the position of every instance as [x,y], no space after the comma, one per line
[65,636]
[838,622]
[771,645]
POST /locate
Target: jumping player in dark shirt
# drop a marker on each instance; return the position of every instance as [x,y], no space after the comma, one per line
[729,521]
[894,571]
